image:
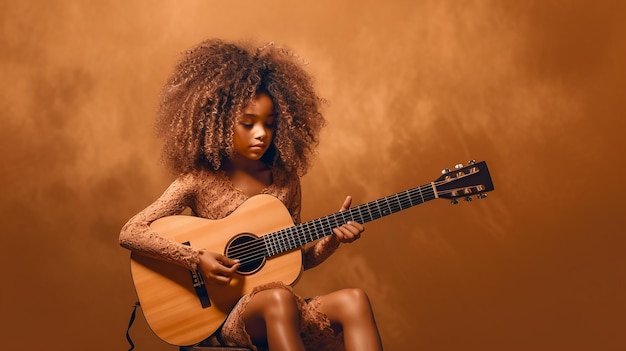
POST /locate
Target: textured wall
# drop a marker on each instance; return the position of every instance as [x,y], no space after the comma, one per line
[536,89]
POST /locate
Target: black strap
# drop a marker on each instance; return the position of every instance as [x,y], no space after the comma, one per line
[199,285]
[130,323]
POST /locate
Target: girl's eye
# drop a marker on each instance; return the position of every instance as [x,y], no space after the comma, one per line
[270,123]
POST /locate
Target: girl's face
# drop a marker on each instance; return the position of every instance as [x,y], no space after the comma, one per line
[254,128]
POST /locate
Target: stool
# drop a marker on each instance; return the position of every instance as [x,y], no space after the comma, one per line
[213,348]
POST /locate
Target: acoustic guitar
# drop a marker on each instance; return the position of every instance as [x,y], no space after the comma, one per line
[182,309]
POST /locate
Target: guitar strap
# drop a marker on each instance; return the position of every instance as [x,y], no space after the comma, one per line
[130,324]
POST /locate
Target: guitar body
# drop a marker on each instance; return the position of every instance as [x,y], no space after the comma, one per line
[166,292]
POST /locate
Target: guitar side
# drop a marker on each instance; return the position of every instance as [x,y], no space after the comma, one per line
[166,293]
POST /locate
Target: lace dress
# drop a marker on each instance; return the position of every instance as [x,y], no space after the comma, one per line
[212,195]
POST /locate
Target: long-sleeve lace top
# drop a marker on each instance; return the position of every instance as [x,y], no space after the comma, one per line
[212,195]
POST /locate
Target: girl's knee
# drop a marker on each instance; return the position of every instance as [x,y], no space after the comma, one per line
[356,296]
[356,302]
[280,296]
[360,295]
[280,303]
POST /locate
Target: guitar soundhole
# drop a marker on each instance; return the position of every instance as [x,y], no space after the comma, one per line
[249,250]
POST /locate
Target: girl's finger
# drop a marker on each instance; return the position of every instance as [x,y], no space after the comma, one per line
[346,203]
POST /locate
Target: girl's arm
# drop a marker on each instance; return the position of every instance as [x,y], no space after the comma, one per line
[320,251]
[323,248]
[136,235]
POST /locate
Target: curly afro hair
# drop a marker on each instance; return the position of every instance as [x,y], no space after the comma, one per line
[212,84]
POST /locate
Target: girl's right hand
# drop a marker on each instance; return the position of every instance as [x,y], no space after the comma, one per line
[217,268]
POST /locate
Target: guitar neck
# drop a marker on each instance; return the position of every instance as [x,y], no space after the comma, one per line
[301,234]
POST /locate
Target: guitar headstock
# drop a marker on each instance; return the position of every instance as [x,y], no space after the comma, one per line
[464,182]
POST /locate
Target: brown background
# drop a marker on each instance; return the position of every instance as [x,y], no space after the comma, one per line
[536,88]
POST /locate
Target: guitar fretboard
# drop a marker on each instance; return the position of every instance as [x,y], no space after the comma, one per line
[297,236]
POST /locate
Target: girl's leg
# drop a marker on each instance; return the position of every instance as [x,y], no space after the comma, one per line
[272,318]
[350,310]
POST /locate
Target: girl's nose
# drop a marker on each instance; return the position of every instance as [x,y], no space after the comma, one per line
[259,132]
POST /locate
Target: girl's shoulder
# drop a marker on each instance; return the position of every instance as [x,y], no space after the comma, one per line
[284,174]
[201,177]
[285,181]
[190,182]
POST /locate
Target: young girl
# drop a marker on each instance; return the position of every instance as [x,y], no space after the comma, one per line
[238,122]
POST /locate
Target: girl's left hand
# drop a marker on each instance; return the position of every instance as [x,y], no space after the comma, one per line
[350,231]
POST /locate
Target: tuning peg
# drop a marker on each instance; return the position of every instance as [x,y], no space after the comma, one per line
[471,162]
[458,166]
[468,199]
[454,202]
[481,196]
[445,171]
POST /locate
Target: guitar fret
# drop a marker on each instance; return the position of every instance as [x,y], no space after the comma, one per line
[376,210]
[409,197]
[371,218]
[298,240]
[399,203]
[354,214]
[306,232]
[272,247]
[268,247]
[387,203]
[291,239]
[328,225]
[361,219]
[421,195]
[280,240]
[335,223]
[343,218]
[295,238]
[302,229]
[310,232]
[319,228]
[273,242]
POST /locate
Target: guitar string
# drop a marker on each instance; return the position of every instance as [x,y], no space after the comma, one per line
[240,249]
[282,241]
[253,250]
[286,244]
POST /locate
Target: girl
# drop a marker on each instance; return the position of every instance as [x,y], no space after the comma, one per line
[238,122]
